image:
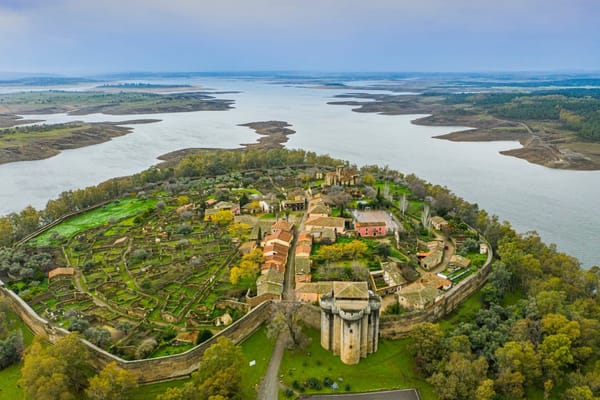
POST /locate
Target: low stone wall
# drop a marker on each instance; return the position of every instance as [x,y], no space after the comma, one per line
[149,370]
[394,327]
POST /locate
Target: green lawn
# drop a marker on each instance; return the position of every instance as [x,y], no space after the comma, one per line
[97,217]
[9,377]
[9,390]
[391,367]
[257,347]
[149,392]
[465,312]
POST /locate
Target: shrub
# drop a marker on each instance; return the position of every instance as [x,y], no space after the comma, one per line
[146,348]
[289,392]
[314,383]
[203,336]
[139,255]
[99,336]
[88,265]
[78,324]
[184,229]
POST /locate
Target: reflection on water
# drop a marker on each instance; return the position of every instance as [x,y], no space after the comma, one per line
[560,205]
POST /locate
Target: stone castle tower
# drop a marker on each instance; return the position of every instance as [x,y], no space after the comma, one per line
[350,321]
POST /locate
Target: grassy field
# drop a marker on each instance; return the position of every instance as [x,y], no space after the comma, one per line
[257,347]
[116,210]
[9,389]
[465,312]
[391,367]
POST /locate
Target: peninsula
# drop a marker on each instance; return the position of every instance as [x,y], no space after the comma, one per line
[557,129]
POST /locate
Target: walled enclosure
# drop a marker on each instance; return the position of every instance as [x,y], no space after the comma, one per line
[181,365]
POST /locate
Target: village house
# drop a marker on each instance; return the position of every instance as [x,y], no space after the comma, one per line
[459,262]
[312,292]
[370,229]
[227,205]
[324,235]
[483,248]
[282,237]
[337,224]
[343,176]
[417,296]
[282,225]
[370,223]
[302,258]
[439,223]
[302,269]
[317,209]
[274,248]
[269,286]
[433,256]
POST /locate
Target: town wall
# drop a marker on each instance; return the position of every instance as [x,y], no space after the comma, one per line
[149,370]
[397,326]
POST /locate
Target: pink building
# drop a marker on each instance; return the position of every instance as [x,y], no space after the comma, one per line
[370,229]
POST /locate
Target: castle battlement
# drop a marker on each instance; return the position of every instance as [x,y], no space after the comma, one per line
[350,321]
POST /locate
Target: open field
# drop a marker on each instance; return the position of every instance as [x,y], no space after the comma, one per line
[113,211]
[390,367]
[9,388]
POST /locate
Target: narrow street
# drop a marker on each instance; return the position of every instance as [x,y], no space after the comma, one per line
[290,270]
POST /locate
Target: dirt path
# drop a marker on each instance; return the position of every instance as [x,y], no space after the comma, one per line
[269,389]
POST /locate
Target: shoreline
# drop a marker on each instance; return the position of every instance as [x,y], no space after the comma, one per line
[539,148]
[86,134]
[273,135]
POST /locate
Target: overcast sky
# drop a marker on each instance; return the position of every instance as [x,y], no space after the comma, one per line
[93,36]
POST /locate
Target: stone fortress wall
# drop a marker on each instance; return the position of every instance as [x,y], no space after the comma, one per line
[148,370]
[183,364]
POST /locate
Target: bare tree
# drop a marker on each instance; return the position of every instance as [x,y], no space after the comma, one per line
[287,321]
[403,204]
[426,217]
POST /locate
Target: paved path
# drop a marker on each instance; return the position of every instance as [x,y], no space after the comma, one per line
[269,389]
[290,272]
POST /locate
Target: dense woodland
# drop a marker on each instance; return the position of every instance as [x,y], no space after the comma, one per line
[537,336]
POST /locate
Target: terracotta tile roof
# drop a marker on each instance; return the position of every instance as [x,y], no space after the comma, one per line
[329,222]
[276,248]
[282,225]
[283,236]
[303,249]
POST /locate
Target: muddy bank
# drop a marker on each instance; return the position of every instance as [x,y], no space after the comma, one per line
[10,120]
[38,146]
[273,134]
[542,148]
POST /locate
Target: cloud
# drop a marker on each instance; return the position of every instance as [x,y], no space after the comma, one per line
[295,34]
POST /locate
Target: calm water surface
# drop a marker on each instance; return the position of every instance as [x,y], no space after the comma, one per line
[560,205]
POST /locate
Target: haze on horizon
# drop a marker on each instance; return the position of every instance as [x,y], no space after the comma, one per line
[88,36]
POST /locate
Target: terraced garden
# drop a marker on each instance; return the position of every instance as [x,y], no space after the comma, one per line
[139,272]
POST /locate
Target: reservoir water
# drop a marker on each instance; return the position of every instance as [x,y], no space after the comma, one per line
[560,205]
